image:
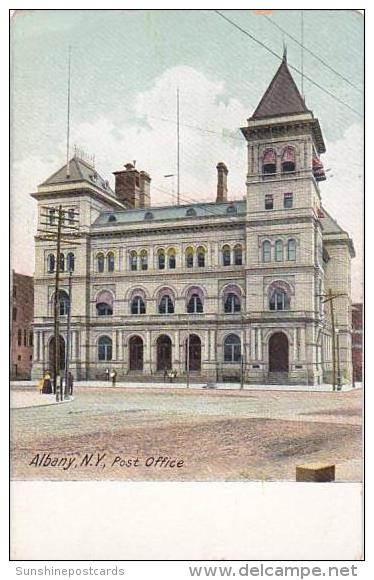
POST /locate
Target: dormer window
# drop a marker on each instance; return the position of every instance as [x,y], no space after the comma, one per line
[191,212]
[112,218]
[231,209]
[148,215]
[269,162]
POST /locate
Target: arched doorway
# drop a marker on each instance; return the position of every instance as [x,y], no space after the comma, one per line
[136,353]
[278,353]
[163,353]
[194,353]
[52,354]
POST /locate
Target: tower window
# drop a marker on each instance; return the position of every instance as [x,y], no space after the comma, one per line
[288,200]
[269,201]
[288,160]
[269,162]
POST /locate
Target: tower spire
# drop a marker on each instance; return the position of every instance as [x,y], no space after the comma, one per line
[284,52]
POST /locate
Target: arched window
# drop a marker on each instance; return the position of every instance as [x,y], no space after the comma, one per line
[70,262]
[200,257]
[31,338]
[232,303]
[137,305]
[71,215]
[104,348]
[133,260]
[238,255]
[266,251]
[62,262]
[51,261]
[279,300]
[64,301]
[226,255]
[189,258]
[291,250]
[194,304]
[110,261]
[269,162]
[166,305]
[143,260]
[104,303]
[279,251]
[19,337]
[232,349]
[288,159]
[161,259]
[100,260]
[171,259]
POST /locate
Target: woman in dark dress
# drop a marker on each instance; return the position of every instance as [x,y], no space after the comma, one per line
[47,384]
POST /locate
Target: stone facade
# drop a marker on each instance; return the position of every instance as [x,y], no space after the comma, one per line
[230,290]
[22,315]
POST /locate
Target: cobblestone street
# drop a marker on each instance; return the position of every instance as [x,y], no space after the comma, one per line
[207,435]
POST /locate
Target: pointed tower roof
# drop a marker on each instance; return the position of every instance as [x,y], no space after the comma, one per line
[79,170]
[282,96]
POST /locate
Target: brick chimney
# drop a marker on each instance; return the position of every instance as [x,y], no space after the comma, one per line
[132,187]
[222,172]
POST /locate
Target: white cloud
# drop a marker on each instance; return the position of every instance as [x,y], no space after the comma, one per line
[149,137]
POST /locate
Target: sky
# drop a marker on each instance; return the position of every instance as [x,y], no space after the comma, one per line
[126,66]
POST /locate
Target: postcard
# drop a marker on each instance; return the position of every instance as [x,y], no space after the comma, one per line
[187,272]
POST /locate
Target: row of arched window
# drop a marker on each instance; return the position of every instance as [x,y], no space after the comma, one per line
[66,262]
[68,216]
[282,251]
[288,160]
[166,258]
[231,348]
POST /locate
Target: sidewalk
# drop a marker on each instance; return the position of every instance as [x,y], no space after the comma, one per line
[192,386]
[32,398]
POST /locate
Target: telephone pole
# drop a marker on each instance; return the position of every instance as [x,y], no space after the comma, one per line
[330,297]
[60,233]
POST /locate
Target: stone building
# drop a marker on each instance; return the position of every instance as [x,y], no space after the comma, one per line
[22,315]
[224,288]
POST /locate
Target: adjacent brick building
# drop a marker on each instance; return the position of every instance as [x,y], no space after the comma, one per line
[357,342]
[22,314]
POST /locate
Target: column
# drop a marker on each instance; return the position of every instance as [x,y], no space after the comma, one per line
[259,343]
[35,356]
[147,353]
[176,349]
[253,343]
[302,343]
[295,344]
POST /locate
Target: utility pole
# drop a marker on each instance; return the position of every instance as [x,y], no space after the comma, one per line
[67,358]
[330,297]
[56,361]
[60,235]
[188,351]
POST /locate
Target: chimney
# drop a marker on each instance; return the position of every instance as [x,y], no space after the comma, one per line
[131,188]
[144,194]
[222,172]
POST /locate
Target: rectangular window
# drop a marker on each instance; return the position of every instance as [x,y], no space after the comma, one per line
[269,201]
[288,200]
[14,314]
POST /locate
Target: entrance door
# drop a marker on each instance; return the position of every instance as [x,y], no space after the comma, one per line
[195,353]
[163,353]
[52,354]
[278,353]
[136,353]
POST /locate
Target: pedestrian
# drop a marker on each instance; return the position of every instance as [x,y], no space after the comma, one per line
[107,374]
[47,385]
[113,376]
[40,385]
[70,383]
